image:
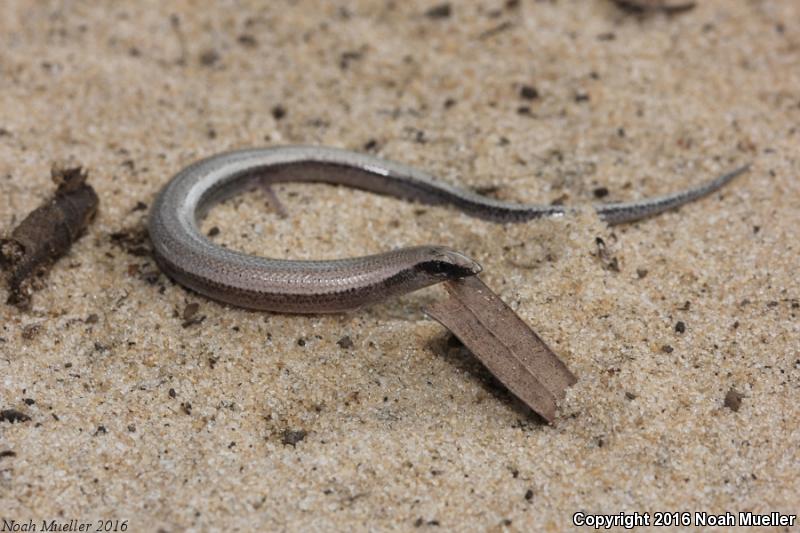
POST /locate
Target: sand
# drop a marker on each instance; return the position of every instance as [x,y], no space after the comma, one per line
[241,420]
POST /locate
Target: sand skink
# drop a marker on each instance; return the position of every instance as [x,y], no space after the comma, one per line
[282,285]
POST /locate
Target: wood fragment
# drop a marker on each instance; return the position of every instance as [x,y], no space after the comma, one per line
[508,347]
[47,233]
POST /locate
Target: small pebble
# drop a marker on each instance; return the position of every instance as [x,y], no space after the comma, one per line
[733,400]
[442,11]
[528,93]
[247,40]
[209,57]
[292,437]
[278,112]
[190,310]
[345,343]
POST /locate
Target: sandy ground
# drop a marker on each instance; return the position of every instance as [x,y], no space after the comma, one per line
[247,419]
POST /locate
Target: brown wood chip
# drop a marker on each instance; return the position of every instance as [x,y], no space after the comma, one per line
[47,233]
[505,344]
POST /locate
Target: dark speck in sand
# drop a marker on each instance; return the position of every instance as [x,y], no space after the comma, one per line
[442,11]
[293,436]
[12,415]
[345,343]
[733,400]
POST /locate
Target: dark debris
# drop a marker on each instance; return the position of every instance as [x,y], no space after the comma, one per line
[47,233]
[12,415]
[528,92]
[132,241]
[293,436]
[733,400]
[278,112]
[441,11]
[646,7]
[345,343]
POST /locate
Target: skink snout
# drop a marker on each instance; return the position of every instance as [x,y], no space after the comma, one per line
[449,264]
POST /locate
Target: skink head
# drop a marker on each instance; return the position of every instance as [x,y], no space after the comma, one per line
[444,263]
